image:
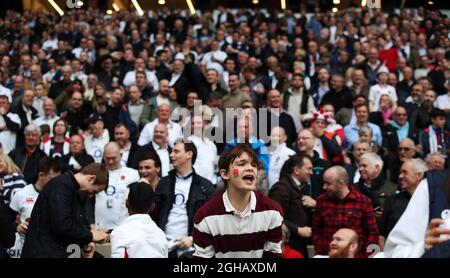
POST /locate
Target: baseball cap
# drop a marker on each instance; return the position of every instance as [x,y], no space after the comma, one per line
[94,118]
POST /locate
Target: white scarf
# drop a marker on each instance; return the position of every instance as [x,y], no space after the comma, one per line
[432,139]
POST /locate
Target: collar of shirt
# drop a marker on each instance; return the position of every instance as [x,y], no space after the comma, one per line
[188,176]
[137,217]
[127,147]
[157,147]
[229,207]
[139,102]
[26,109]
[297,183]
[278,149]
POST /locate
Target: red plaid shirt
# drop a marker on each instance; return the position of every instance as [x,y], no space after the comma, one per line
[354,212]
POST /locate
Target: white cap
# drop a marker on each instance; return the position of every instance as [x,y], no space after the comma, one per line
[383,69]
[179,56]
[6,92]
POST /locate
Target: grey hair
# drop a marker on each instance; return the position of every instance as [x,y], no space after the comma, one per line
[430,155]
[359,142]
[419,166]
[66,67]
[31,128]
[365,129]
[373,159]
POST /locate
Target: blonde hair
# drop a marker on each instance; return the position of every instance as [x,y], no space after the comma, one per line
[9,164]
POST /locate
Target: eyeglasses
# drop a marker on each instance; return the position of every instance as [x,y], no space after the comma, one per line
[32,134]
[404,149]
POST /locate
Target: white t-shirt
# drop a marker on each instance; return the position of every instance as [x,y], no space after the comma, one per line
[110,209]
[177,223]
[95,146]
[139,237]
[375,93]
[22,202]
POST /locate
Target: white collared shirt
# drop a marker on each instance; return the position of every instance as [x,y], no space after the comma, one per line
[130,79]
[125,153]
[146,136]
[206,158]
[139,237]
[28,114]
[8,137]
[44,120]
[248,209]
[164,156]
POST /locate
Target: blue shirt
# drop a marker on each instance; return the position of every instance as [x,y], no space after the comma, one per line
[351,134]
[258,146]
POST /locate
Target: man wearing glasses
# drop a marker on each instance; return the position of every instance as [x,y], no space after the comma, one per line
[406,150]
[399,129]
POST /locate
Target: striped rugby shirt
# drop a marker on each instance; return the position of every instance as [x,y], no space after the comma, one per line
[221,232]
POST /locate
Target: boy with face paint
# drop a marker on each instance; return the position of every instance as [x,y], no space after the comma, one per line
[240,213]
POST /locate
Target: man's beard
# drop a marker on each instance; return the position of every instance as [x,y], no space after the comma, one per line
[338,254]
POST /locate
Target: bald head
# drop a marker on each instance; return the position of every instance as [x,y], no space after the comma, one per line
[112,156]
[277,136]
[344,244]
[335,182]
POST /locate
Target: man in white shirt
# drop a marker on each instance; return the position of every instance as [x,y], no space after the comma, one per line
[130,77]
[23,201]
[159,144]
[443,101]
[181,194]
[49,117]
[420,227]
[110,208]
[9,123]
[279,153]
[206,149]
[97,138]
[173,129]
[128,149]
[138,236]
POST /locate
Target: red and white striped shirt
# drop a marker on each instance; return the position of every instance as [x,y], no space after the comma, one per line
[222,232]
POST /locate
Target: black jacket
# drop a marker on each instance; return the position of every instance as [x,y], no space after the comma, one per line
[83,159]
[133,156]
[7,229]
[201,191]
[20,142]
[57,220]
[289,196]
[27,163]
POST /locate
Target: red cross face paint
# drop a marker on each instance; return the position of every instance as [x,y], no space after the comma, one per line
[235,172]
